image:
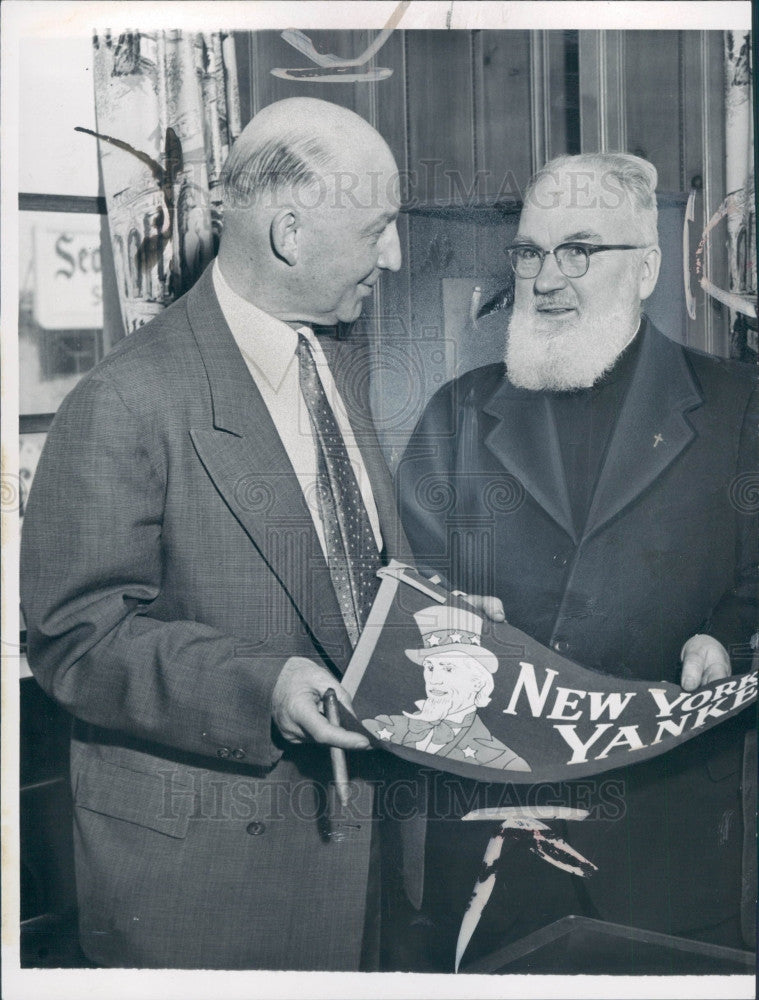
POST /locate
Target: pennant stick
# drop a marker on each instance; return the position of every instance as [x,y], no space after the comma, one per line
[406,574]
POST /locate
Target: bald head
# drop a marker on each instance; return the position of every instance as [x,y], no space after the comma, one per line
[293,144]
[310,195]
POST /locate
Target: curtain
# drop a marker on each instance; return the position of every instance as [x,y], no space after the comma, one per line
[739,179]
[167,111]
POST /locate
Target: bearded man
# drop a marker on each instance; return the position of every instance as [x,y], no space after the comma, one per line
[630,551]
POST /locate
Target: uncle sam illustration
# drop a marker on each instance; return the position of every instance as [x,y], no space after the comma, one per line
[458,679]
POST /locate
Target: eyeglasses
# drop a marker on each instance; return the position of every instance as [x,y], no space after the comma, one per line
[573,258]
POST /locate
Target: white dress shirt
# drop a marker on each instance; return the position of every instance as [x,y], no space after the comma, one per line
[268,346]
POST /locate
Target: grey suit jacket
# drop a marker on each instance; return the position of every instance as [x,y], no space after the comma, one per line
[169,568]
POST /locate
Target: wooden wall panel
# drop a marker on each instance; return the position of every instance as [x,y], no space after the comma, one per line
[603,98]
[457,103]
[654,100]
[440,112]
[503,97]
[563,93]
[659,94]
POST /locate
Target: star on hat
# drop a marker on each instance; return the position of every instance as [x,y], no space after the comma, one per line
[450,629]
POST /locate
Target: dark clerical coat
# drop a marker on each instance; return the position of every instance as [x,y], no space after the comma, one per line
[668,549]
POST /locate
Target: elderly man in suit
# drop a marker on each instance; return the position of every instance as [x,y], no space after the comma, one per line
[632,549]
[198,558]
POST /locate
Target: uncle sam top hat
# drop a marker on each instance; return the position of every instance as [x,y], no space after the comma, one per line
[446,629]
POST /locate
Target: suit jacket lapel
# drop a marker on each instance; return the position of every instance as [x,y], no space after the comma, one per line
[525,441]
[244,456]
[651,430]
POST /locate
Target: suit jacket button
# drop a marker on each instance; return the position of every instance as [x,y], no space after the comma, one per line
[238,754]
[559,560]
[560,645]
[255,829]
[223,752]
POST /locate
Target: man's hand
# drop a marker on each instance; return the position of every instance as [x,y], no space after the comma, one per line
[491,607]
[295,705]
[704,659]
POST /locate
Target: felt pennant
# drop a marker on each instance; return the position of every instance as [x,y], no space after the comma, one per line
[435,683]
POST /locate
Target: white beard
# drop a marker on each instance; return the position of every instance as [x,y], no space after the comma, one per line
[435,708]
[544,355]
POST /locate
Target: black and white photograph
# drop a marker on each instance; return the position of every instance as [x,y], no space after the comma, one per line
[380,499]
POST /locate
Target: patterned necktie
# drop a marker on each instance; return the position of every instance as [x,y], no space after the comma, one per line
[352,554]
